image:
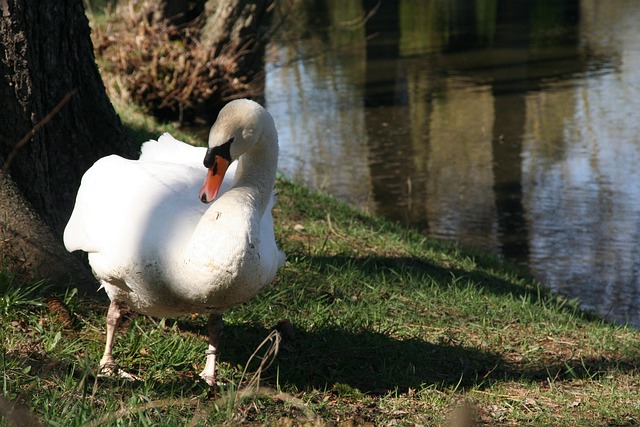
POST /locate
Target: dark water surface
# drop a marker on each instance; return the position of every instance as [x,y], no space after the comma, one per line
[510,126]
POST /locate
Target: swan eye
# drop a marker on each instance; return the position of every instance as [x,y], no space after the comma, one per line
[223,151]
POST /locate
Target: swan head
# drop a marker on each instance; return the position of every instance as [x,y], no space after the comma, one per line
[240,124]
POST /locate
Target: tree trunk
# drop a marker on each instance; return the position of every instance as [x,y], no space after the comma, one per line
[179,12]
[238,28]
[45,54]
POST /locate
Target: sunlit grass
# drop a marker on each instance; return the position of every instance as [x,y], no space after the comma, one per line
[142,127]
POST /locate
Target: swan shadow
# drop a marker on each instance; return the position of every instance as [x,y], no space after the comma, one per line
[376,364]
[371,362]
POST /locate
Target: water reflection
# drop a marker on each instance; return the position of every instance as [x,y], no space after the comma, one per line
[510,126]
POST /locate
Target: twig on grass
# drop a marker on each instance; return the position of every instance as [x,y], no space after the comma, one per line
[273,339]
[342,236]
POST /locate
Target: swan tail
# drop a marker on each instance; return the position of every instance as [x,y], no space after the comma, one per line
[169,149]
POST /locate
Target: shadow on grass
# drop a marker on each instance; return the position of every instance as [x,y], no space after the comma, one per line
[371,362]
[375,363]
[332,358]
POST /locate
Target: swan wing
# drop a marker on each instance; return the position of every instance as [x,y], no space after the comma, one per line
[272,257]
[169,149]
[124,208]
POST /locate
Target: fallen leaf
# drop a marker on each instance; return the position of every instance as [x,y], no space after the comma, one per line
[575,404]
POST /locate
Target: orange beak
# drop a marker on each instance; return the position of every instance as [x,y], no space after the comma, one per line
[213,181]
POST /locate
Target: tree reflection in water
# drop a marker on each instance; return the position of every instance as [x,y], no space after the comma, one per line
[507,126]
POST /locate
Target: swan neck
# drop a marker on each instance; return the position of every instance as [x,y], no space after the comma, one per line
[257,170]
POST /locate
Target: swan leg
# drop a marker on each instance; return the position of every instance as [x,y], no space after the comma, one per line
[108,365]
[214,326]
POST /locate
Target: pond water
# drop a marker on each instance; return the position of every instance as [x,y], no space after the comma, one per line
[511,127]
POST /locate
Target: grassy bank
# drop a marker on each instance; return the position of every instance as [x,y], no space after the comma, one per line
[378,326]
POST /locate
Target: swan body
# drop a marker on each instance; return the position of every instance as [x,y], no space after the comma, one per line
[151,241]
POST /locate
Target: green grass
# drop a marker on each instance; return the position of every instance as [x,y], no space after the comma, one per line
[381,327]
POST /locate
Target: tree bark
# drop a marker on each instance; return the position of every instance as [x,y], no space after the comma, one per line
[238,27]
[29,249]
[45,54]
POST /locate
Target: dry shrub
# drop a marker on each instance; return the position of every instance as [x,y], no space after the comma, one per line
[165,68]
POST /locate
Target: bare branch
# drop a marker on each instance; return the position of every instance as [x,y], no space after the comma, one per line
[34,130]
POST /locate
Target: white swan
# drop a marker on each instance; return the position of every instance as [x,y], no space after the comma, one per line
[155,246]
